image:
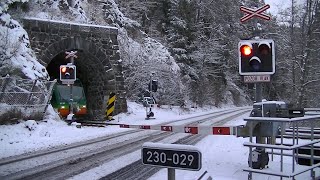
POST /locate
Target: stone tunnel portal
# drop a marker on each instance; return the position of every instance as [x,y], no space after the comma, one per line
[98,64]
[84,72]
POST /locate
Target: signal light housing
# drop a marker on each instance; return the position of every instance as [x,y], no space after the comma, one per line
[256,57]
[68,73]
[153,86]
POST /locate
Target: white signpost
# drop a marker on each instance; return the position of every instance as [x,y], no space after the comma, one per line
[171,156]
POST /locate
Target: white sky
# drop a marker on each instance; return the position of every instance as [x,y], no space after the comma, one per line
[278,5]
[224,157]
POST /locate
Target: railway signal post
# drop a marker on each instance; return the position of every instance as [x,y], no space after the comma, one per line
[256,64]
[152,87]
[70,80]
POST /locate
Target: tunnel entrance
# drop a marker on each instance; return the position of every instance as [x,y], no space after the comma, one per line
[99,67]
[85,73]
[53,67]
[62,93]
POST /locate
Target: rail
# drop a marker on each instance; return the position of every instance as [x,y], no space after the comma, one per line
[294,124]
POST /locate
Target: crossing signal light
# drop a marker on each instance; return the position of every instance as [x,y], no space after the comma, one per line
[67,73]
[246,50]
[153,86]
[256,57]
[63,69]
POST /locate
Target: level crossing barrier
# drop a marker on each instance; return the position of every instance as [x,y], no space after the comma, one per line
[206,130]
[291,149]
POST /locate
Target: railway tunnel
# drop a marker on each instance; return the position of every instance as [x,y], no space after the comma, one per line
[84,73]
[98,60]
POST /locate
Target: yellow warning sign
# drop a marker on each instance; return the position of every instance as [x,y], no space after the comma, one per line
[110,105]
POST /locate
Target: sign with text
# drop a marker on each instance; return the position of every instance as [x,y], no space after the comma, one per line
[257,78]
[171,156]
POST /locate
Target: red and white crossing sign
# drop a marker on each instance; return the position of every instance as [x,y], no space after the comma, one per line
[71,54]
[254,12]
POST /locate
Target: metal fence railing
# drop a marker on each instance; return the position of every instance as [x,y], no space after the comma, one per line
[25,95]
[290,147]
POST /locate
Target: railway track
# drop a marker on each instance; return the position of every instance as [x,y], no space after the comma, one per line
[73,164]
[27,156]
[66,162]
[196,120]
[73,160]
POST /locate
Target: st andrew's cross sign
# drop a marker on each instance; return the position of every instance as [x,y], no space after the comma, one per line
[254,12]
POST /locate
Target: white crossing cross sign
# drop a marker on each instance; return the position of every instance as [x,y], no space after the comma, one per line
[254,12]
[257,78]
[71,54]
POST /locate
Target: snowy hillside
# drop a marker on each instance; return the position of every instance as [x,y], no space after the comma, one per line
[16,57]
[141,54]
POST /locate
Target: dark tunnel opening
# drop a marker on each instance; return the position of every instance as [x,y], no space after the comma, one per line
[53,67]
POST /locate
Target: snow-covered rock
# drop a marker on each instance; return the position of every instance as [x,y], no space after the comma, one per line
[31,125]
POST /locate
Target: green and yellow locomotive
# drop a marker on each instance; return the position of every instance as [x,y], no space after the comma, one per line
[63,97]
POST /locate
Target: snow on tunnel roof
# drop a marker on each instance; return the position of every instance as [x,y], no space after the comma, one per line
[73,23]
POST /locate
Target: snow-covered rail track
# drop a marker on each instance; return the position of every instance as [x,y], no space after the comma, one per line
[207,117]
[221,119]
[71,161]
[27,156]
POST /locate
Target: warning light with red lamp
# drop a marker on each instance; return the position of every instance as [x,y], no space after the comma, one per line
[256,57]
[68,73]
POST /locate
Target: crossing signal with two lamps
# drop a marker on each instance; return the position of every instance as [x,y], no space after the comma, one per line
[68,73]
[256,57]
[153,86]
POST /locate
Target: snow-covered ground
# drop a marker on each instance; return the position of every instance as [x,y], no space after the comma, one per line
[224,157]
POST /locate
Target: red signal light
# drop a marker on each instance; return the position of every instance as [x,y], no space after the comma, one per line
[63,69]
[246,50]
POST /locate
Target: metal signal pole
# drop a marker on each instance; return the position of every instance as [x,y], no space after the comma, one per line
[71,55]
